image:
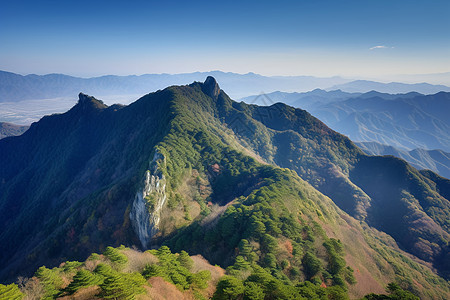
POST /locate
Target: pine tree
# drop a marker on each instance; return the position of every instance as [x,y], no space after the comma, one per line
[10,292]
[83,278]
[185,260]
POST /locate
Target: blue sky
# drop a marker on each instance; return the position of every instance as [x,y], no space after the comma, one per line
[322,38]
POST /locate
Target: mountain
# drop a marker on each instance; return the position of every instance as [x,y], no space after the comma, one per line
[8,129]
[270,193]
[305,100]
[15,87]
[318,98]
[406,123]
[437,161]
[381,123]
[363,86]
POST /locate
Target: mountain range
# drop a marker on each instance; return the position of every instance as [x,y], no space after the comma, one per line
[15,87]
[410,122]
[268,192]
[363,86]
[405,122]
[435,160]
[8,129]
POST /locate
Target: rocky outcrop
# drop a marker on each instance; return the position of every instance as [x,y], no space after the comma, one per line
[148,203]
[211,87]
[87,103]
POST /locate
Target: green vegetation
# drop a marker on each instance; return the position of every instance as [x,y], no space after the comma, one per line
[176,269]
[83,278]
[395,292]
[122,286]
[100,276]
[51,281]
[116,257]
[10,292]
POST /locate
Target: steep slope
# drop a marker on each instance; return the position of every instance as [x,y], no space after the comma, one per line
[189,167]
[79,170]
[435,160]
[292,138]
[8,129]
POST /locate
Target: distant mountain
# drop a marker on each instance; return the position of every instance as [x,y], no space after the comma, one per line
[8,129]
[305,100]
[434,78]
[406,123]
[318,97]
[353,115]
[363,86]
[435,160]
[14,87]
[288,206]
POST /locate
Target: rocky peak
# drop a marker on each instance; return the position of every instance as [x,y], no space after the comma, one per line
[86,102]
[211,87]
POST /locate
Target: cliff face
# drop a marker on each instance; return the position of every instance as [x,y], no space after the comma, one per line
[145,214]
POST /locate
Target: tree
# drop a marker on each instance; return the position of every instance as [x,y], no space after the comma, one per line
[241,264]
[10,292]
[229,288]
[50,280]
[122,286]
[185,260]
[253,291]
[200,279]
[119,259]
[311,264]
[83,278]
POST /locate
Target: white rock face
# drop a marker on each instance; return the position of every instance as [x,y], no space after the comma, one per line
[144,218]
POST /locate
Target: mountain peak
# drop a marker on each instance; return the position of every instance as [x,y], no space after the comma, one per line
[86,101]
[211,87]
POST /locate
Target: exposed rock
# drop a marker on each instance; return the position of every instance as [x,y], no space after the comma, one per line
[211,87]
[145,213]
[86,102]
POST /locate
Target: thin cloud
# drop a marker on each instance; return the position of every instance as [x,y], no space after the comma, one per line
[380,47]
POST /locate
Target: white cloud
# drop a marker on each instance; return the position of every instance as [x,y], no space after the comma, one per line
[379,47]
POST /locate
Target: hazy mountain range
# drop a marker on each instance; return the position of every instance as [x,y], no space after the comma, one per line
[8,129]
[363,86]
[405,122]
[286,204]
[435,160]
[15,87]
